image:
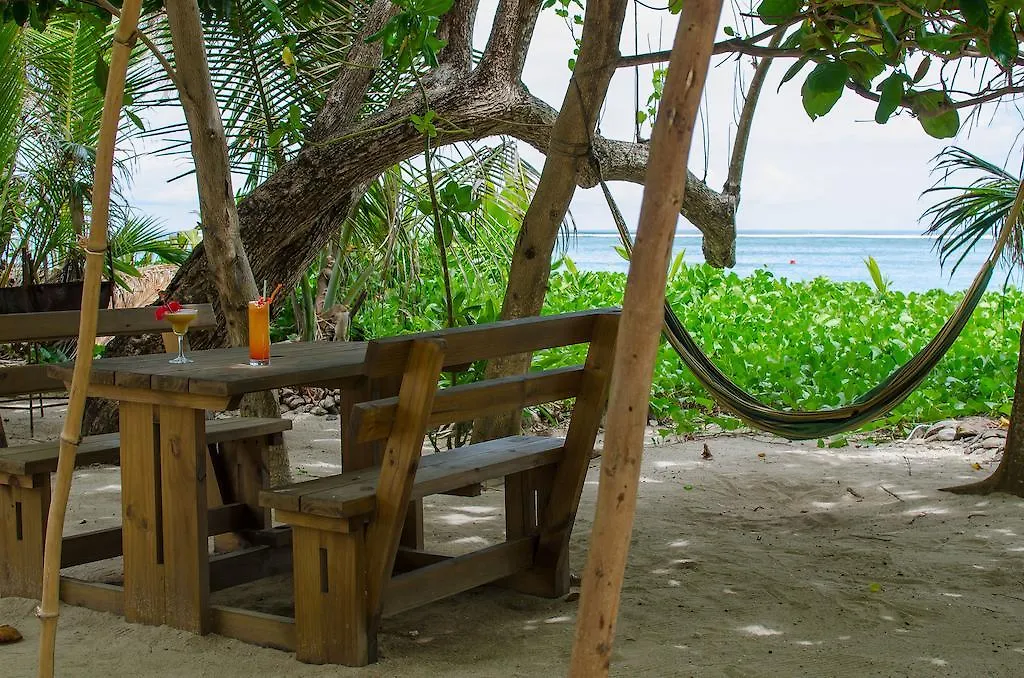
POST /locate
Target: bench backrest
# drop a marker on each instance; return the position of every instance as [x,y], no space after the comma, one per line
[374,420]
[56,325]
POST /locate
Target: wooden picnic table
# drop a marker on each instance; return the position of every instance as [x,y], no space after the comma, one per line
[164,481]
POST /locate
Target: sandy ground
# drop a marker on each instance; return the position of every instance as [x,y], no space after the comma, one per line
[771,559]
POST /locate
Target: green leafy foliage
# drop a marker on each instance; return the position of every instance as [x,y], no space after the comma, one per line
[805,345]
[935,113]
[412,33]
[892,95]
[823,87]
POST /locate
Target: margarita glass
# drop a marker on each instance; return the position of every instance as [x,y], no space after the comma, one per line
[180,320]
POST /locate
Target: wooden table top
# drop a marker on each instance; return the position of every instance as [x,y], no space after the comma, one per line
[226,371]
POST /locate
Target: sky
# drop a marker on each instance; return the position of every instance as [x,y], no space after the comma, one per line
[839,173]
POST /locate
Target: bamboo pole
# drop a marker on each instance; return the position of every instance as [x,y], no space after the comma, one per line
[95,247]
[639,331]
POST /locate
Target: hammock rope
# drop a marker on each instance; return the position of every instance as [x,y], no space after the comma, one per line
[806,425]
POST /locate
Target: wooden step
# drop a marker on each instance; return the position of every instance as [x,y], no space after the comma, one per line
[35,458]
[353,494]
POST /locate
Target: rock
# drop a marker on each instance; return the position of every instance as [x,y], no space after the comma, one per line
[318,411]
[940,425]
[992,443]
[993,433]
[332,416]
[305,408]
[942,435]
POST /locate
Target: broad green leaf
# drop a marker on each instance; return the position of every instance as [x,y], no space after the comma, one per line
[975,13]
[932,112]
[793,70]
[823,87]
[892,95]
[864,66]
[890,43]
[778,11]
[1003,42]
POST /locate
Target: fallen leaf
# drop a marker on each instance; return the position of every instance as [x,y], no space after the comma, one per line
[761,455]
[706,454]
[976,466]
[8,634]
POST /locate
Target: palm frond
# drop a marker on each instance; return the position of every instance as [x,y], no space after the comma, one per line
[974,210]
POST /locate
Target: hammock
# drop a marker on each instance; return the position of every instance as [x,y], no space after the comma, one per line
[803,425]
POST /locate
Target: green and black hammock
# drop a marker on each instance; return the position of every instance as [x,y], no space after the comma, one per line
[802,425]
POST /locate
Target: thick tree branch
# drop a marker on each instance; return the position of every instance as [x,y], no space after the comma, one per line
[511,33]
[711,212]
[457,28]
[341,105]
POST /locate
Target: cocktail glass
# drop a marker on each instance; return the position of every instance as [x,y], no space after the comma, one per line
[180,320]
[259,333]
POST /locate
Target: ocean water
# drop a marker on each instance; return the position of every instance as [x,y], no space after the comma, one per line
[907,259]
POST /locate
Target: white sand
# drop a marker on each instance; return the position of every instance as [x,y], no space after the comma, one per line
[740,566]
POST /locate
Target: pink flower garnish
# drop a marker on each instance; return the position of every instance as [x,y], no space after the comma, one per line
[167,307]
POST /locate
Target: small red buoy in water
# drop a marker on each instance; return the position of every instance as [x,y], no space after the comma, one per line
[792,261]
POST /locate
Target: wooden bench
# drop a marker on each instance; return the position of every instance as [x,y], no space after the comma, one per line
[238,449]
[349,567]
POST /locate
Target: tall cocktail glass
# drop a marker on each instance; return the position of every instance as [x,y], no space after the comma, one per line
[259,333]
[180,321]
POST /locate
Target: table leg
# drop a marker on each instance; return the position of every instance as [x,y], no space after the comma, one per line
[185,529]
[141,505]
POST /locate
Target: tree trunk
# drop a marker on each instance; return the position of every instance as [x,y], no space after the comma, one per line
[229,267]
[568,150]
[1009,475]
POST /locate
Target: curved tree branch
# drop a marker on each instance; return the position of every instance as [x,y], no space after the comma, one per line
[739,149]
[456,28]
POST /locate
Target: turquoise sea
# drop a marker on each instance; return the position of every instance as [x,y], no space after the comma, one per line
[907,259]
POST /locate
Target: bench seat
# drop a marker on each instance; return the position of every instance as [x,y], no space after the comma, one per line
[353,494]
[33,458]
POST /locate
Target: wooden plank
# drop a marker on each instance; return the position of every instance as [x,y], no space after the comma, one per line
[246,463]
[53,325]
[255,628]
[226,372]
[183,491]
[560,514]
[441,472]
[412,559]
[330,598]
[23,513]
[483,342]
[344,525]
[37,458]
[398,471]
[163,398]
[17,480]
[248,564]
[451,576]
[89,547]
[141,509]
[93,595]
[23,379]
[373,420]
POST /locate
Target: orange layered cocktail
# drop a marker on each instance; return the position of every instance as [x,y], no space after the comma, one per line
[180,318]
[259,332]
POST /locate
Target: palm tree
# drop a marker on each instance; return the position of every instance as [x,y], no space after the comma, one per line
[978,209]
[50,108]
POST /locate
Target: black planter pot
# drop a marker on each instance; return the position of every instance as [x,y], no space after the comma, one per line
[49,297]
